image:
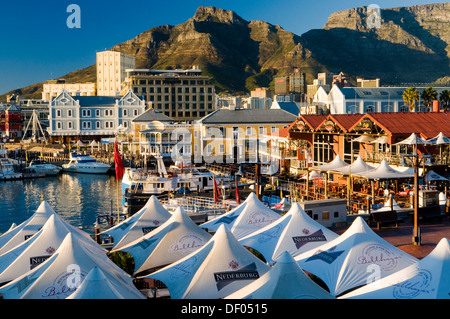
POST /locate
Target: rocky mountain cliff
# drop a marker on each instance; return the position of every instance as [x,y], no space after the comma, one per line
[410,44]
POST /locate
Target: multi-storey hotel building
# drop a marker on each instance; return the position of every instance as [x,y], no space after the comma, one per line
[111,66]
[179,94]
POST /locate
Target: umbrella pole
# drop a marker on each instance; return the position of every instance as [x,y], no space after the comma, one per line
[416,235]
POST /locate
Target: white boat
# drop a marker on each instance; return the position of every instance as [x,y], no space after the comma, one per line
[43,167]
[139,185]
[7,170]
[85,164]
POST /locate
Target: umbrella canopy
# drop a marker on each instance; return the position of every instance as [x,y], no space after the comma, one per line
[363,139]
[413,139]
[313,175]
[214,271]
[61,274]
[249,216]
[358,166]
[343,263]
[176,238]
[285,280]
[432,176]
[295,233]
[336,163]
[429,278]
[26,229]
[384,171]
[440,139]
[152,215]
[380,140]
[96,286]
[39,247]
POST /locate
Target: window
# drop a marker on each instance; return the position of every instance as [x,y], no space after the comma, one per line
[69,125]
[97,124]
[86,113]
[69,113]
[58,125]
[261,130]
[325,215]
[273,129]
[86,125]
[221,148]
[249,130]
[135,112]
[125,112]
[97,112]
[58,113]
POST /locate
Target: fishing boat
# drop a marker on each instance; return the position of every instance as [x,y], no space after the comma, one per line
[41,166]
[80,163]
[138,184]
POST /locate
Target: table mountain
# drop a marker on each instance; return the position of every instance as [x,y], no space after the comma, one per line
[410,44]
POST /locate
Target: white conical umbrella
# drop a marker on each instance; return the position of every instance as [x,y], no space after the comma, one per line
[336,163]
[344,262]
[176,238]
[295,233]
[149,217]
[219,268]
[26,229]
[96,286]
[429,278]
[285,280]
[440,139]
[61,274]
[41,246]
[413,139]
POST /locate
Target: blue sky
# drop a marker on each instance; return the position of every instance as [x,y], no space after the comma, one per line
[36,44]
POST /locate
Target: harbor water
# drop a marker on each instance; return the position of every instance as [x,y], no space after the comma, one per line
[77,198]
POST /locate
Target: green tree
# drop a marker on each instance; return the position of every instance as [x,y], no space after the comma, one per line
[410,97]
[444,97]
[428,96]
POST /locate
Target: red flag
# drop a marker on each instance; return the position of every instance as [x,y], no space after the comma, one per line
[238,198]
[216,191]
[118,162]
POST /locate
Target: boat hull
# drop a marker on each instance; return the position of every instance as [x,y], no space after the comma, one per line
[86,170]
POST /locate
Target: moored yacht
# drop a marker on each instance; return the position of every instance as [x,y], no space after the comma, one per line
[85,164]
[43,167]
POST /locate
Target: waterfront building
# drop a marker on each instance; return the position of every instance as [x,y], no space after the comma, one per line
[179,94]
[293,85]
[91,117]
[11,123]
[53,88]
[111,66]
[231,135]
[352,100]
[373,136]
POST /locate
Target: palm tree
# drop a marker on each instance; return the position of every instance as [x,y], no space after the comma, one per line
[428,96]
[410,96]
[444,97]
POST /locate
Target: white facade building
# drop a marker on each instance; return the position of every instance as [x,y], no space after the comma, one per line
[111,66]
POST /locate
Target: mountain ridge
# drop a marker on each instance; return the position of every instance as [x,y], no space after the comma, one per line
[411,44]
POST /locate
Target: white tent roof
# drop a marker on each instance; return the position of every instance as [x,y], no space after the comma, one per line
[64,271]
[364,139]
[358,166]
[152,215]
[313,175]
[229,218]
[429,278]
[253,217]
[439,139]
[39,247]
[216,270]
[336,163]
[252,210]
[343,263]
[383,171]
[285,280]
[176,238]
[26,229]
[96,286]
[387,206]
[413,139]
[295,233]
[432,176]
[380,140]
